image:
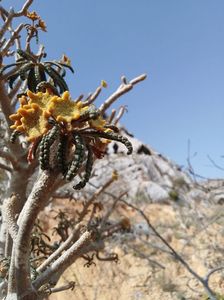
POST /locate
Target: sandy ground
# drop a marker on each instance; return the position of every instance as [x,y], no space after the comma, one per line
[145,270]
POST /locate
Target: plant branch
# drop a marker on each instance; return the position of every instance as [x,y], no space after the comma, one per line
[212,272]
[94,197]
[5,167]
[68,286]
[177,256]
[12,15]
[122,89]
[11,40]
[111,117]
[37,199]
[92,97]
[61,248]
[120,114]
[9,157]
[8,211]
[65,259]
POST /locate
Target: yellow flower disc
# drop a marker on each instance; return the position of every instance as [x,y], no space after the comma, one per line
[64,109]
[41,99]
[34,122]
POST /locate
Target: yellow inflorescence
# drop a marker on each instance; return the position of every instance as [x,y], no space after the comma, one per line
[63,109]
[35,109]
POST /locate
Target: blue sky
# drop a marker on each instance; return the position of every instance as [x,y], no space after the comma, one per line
[178,43]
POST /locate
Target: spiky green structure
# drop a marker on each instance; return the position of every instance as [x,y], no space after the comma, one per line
[111,136]
[88,170]
[28,67]
[45,145]
[14,136]
[62,153]
[78,157]
[44,154]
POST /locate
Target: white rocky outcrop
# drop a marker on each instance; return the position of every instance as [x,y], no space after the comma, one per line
[147,175]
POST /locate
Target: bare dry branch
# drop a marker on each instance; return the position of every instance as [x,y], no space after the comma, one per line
[24,9]
[11,41]
[92,97]
[94,197]
[122,89]
[14,91]
[111,117]
[5,103]
[68,286]
[176,255]
[215,164]
[74,235]
[111,209]
[120,114]
[211,272]
[12,15]
[5,167]
[65,260]
[9,157]
[143,255]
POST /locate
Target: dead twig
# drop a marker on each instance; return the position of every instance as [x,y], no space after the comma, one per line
[122,89]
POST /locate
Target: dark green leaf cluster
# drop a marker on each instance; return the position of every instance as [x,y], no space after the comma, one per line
[29,68]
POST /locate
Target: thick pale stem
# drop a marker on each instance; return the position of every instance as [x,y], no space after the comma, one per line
[9,211]
[37,199]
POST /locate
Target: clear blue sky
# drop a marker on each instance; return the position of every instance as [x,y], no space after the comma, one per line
[178,43]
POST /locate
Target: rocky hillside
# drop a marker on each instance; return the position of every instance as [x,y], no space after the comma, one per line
[149,176]
[188,214]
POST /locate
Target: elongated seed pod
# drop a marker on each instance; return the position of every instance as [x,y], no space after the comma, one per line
[53,134]
[111,136]
[88,170]
[57,78]
[44,154]
[77,161]
[113,127]
[45,146]
[14,136]
[24,69]
[62,152]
